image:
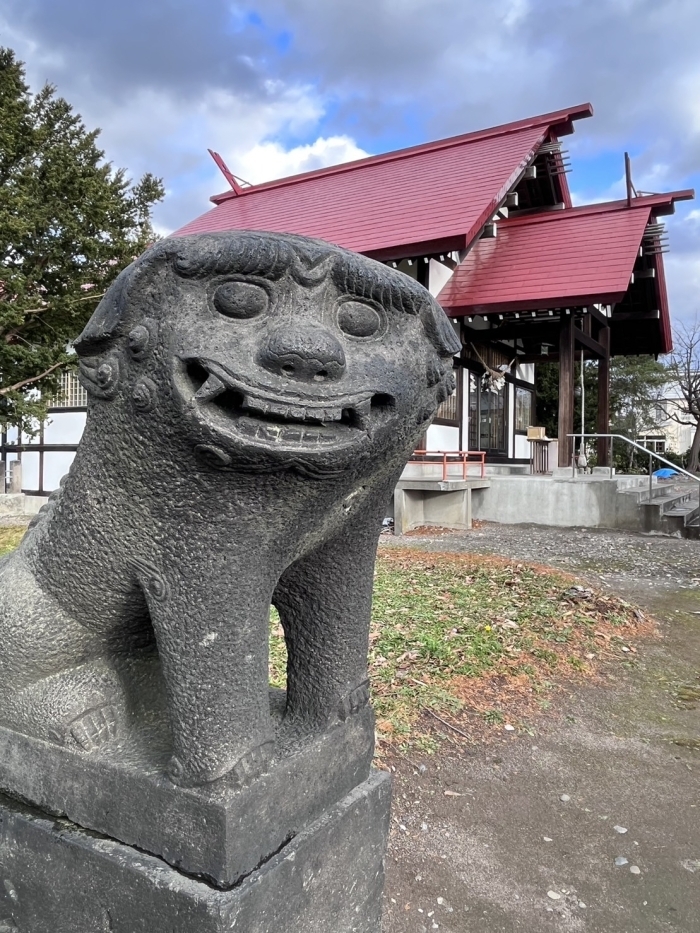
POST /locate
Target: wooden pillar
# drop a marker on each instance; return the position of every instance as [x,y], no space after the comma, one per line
[603,427]
[566,388]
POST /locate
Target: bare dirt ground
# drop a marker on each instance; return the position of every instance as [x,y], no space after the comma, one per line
[592,823]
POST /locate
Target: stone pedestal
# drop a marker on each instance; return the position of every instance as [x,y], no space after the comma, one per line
[220,831]
[58,878]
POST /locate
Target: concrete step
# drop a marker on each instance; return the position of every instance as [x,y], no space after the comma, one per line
[672,513]
[692,529]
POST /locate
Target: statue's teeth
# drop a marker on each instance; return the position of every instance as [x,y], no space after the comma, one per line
[363,410]
[211,388]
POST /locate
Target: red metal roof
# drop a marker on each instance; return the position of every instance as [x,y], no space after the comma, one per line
[431,197]
[554,259]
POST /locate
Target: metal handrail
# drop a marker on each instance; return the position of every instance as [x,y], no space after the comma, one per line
[652,454]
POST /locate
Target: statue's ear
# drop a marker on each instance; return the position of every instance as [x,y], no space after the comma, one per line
[104,325]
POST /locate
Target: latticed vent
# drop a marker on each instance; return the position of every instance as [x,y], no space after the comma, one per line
[448,409]
[557,160]
[655,239]
[71,394]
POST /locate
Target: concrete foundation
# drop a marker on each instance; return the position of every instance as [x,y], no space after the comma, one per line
[434,502]
[19,504]
[588,501]
[58,878]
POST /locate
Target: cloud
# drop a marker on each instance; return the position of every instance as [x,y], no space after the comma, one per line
[267,161]
[284,85]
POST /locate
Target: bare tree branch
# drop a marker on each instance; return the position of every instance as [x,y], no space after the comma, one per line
[27,382]
[684,370]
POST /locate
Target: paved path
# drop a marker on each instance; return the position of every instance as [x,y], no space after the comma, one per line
[526,838]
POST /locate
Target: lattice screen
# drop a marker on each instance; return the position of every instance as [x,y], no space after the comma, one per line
[71,394]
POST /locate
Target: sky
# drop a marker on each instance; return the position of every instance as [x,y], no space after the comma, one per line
[284,86]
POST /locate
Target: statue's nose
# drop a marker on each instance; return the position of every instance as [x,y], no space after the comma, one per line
[303,351]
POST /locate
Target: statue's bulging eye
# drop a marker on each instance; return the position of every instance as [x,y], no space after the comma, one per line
[240,299]
[358,320]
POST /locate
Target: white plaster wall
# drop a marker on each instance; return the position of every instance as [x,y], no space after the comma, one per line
[443,437]
[464,374]
[438,276]
[511,419]
[30,470]
[64,427]
[56,465]
[526,372]
[522,446]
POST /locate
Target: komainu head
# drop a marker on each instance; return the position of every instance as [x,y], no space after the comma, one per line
[269,351]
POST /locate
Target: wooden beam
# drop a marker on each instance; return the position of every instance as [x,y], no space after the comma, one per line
[545,332]
[598,316]
[566,390]
[603,426]
[619,316]
[596,348]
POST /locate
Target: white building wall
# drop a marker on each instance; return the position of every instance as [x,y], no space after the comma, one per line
[443,437]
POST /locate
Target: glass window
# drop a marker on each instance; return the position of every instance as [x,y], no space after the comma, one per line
[523,408]
[488,416]
[473,412]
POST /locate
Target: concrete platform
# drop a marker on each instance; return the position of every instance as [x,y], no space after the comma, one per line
[435,502]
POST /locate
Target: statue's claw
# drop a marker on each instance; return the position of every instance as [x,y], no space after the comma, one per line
[244,770]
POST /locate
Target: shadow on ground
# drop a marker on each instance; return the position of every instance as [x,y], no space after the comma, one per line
[524,834]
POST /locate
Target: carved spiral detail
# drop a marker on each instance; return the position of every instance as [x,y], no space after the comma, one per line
[139,341]
[157,588]
[144,395]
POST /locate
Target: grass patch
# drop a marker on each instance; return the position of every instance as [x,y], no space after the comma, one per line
[479,639]
[10,538]
[460,643]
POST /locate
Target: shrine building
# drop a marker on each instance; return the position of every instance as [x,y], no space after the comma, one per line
[485,221]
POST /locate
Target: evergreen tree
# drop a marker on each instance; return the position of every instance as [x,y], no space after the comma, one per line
[69,223]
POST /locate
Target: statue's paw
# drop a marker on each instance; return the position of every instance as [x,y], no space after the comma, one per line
[91,730]
[81,708]
[354,702]
[254,763]
[244,770]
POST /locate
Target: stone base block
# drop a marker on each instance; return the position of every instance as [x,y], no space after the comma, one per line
[220,831]
[57,878]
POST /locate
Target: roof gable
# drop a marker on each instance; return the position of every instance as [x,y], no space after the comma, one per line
[554,259]
[435,196]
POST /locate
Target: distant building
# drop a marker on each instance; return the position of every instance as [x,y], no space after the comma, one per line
[485,221]
[667,433]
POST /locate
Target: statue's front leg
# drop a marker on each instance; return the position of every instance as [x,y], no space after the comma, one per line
[325,603]
[212,640]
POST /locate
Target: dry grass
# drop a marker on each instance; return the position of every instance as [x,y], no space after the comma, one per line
[463,644]
[10,537]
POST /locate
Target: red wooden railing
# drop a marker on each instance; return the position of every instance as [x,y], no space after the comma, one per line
[449,457]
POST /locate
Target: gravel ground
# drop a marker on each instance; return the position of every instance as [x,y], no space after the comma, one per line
[591,824]
[526,834]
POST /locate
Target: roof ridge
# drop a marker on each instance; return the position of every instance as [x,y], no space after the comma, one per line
[602,207]
[553,118]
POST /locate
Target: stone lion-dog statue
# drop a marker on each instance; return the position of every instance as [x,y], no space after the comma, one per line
[253,399]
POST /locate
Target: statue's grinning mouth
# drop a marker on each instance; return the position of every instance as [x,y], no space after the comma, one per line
[281,422]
